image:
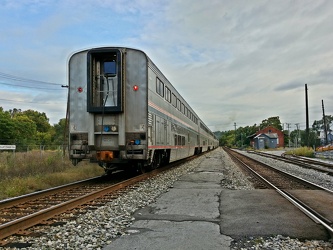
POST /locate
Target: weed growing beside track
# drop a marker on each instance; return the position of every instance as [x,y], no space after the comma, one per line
[26,172]
[303,151]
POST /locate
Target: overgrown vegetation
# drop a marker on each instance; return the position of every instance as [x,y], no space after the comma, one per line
[26,172]
[303,151]
[29,130]
[38,161]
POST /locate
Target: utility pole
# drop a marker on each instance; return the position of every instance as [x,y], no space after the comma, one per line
[307,116]
[288,125]
[324,120]
[235,133]
[297,136]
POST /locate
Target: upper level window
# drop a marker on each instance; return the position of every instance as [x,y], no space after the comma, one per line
[183,108]
[178,104]
[167,94]
[174,100]
[159,87]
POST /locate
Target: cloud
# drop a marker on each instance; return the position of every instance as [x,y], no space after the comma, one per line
[233,61]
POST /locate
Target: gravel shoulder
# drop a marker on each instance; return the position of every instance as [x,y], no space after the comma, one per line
[98,228]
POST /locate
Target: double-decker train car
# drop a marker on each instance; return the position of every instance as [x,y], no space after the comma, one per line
[124,114]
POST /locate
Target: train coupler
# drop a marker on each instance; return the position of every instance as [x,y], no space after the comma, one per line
[104,155]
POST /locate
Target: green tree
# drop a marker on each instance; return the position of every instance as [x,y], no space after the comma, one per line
[6,127]
[271,121]
[40,119]
[319,125]
[25,131]
[228,138]
[242,135]
[59,132]
[13,112]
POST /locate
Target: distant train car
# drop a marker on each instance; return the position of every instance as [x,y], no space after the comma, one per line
[125,114]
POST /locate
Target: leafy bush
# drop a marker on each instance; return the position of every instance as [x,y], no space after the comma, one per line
[304,151]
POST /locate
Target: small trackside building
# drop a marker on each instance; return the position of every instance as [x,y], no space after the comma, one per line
[269,137]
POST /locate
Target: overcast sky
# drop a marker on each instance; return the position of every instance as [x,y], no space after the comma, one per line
[233,61]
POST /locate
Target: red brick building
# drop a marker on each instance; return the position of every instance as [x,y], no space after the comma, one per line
[269,137]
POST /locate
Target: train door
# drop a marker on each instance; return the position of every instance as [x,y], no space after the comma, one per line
[188,144]
[150,129]
[104,81]
[161,131]
[198,145]
[167,133]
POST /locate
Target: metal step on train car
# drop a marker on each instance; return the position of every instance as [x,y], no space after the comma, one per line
[125,114]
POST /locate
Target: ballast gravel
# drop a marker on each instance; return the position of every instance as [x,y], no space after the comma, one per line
[98,228]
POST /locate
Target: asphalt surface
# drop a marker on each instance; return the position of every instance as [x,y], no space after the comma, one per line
[197,213]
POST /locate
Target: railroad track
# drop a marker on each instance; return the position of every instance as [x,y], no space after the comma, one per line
[320,166]
[313,200]
[20,215]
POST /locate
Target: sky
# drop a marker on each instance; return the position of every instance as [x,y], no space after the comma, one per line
[235,62]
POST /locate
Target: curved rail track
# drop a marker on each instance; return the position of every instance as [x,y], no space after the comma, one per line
[313,200]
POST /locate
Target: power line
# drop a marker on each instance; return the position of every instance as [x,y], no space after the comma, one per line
[22,79]
[32,87]
[29,102]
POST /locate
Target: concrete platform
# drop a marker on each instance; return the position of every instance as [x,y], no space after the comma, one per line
[197,213]
[264,213]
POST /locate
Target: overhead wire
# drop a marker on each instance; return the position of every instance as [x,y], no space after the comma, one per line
[35,84]
[44,103]
[24,86]
[22,79]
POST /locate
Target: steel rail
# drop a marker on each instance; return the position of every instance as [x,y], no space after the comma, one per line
[10,228]
[23,223]
[309,164]
[295,202]
[35,195]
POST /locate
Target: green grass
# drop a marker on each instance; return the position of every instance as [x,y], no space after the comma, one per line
[304,151]
[23,173]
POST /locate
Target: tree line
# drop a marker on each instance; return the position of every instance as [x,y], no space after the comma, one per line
[240,137]
[30,129]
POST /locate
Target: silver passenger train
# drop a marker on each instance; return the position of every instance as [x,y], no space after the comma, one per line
[125,114]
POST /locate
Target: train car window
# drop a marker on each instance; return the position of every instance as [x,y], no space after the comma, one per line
[179,140]
[104,92]
[110,68]
[178,104]
[183,140]
[159,87]
[167,94]
[183,108]
[174,100]
[176,140]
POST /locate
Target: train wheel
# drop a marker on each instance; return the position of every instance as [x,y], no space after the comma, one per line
[142,168]
[156,160]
